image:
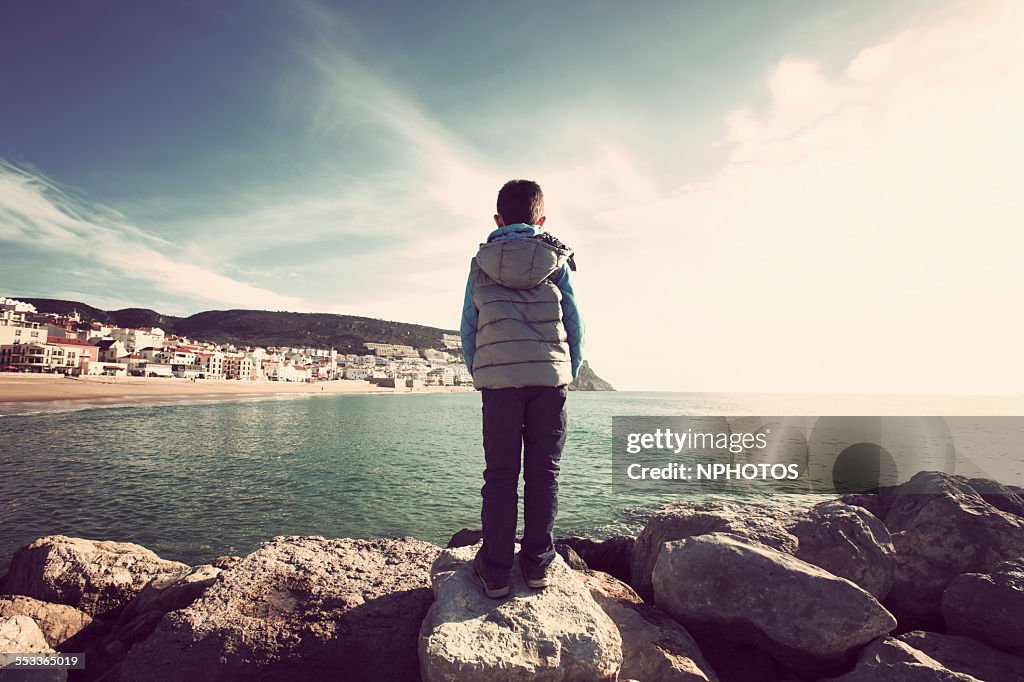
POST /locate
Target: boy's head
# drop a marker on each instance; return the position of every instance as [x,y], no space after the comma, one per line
[520,201]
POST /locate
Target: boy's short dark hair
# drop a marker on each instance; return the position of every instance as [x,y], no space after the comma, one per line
[521,201]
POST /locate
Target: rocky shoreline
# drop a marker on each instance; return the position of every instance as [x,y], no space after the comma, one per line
[924,581]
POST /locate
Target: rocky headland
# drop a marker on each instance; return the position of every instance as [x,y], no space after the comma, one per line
[923,581]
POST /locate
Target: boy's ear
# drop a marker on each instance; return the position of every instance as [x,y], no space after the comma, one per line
[540,222]
[498,220]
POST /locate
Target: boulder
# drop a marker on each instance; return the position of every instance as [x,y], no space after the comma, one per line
[465,537]
[727,586]
[298,608]
[570,557]
[941,527]
[891,660]
[964,655]
[612,556]
[688,519]
[998,495]
[846,541]
[557,633]
[93,576]
[988,606]
[1007,498]
[170,592]
[58,622]
[877,503]
[20,634]
[654,646]
[907,500]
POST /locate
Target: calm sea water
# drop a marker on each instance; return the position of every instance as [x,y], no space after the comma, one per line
[194,481]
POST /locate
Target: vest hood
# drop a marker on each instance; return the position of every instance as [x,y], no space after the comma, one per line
[520,263]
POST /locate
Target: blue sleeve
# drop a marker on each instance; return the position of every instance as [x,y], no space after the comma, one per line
[470,315]
[571,319]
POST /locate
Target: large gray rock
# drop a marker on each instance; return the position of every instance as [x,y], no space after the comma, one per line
[20,634]
[570,557]
[465,537]
[58,622]
[941,527]
[877,503]
[558,633]
[298,608]
[988,606]
[964,655]
[891,660]
[847,541]
[168,592]
[906,501]
[1007,498]
[654,646]
[999,496]
[688,519]
[740,590]
[94,576]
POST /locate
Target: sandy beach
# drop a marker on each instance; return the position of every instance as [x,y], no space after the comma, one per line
[35,388]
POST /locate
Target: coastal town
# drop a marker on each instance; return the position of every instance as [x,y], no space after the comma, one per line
[51,343]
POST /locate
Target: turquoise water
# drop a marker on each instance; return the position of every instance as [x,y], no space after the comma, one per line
[194,481]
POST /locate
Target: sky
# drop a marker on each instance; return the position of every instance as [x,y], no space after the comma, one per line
[781,196]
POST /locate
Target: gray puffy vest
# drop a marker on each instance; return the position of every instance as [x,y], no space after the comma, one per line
[520,338]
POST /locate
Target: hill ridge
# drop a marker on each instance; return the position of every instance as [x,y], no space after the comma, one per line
[345,333]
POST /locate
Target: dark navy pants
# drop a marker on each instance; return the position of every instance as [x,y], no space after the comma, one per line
[523,427]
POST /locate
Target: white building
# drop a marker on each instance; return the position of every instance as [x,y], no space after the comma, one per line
[181,356]
[16,306]
[151,354]
[155,369]
[238,366]
[112,350]
[439,356]
[98,331]
[15,328]
[441,376]
[109,369]
[211,364]
[138,338]
[389,350]
[357,372]
[289,372]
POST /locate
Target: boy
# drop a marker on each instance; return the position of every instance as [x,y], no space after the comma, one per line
[522,340]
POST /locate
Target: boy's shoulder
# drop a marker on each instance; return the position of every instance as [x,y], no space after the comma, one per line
[555,242]
[551,239]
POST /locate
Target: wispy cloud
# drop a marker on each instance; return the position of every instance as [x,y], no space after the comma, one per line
[37,213]
[865,227]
